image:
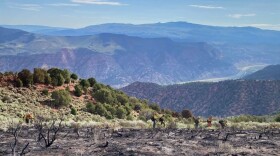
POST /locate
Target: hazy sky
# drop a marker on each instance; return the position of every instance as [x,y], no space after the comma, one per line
[79,13]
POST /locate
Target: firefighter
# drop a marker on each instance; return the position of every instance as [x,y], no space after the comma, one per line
[154,121]
[209,121]
[222,123]
[196,122]
[161,120]
[29,118]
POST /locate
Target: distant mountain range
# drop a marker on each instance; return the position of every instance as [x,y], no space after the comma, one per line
[271,72]
[119,54]
[173,30]
[35,28]
[226,98]
[113,59]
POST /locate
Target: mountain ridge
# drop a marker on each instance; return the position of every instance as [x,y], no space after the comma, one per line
[127,58]
[225,98]
[271,72]
[116,59]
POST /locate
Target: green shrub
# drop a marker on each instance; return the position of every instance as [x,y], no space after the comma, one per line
[18,83]
[129,117]
[92,81]
[58,76]
[128,109]
[186,114]
[247,118]
[122,99]
[103,96]
[66,75]
[48,79]
[84,83]
[155,107]
[45,92]
[96,87]
[90,108]
[26,77]
[78,91]
[74,76]
[39,75]
[60,80]
[100,110]
[61,98]
[109,115]
[110,109]
[277,118]
[8,73]
[121,113]
[137,107]
[67,89]
[73,111]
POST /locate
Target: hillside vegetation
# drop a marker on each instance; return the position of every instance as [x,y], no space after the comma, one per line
[58,94]
[226,98]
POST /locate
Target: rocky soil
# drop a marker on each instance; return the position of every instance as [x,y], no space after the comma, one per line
[96,141]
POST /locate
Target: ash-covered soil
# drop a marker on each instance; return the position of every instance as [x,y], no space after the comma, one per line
[95,141]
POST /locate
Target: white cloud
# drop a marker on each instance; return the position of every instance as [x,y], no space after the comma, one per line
[98,2]
[64,4]
[206,6]
[241,15]
[29,7]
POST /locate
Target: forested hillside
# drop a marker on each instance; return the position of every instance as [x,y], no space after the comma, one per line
[224,98]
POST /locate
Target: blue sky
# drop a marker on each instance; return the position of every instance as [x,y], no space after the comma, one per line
[80,13]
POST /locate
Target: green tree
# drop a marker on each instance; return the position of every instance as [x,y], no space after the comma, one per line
[110,109]
[90,108]
[155,107]
[277,118]
[96,87]
[61,98]
[84,83]
[74,76]
[60,80]
[92,81]
[122,99]
[137,107]
[48,79]
[56,76]
[121,113]
[78,91]
[186,114]
[66,75]
[39,75]
[100,110]
[26,77]
[18,83]
[103,96]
